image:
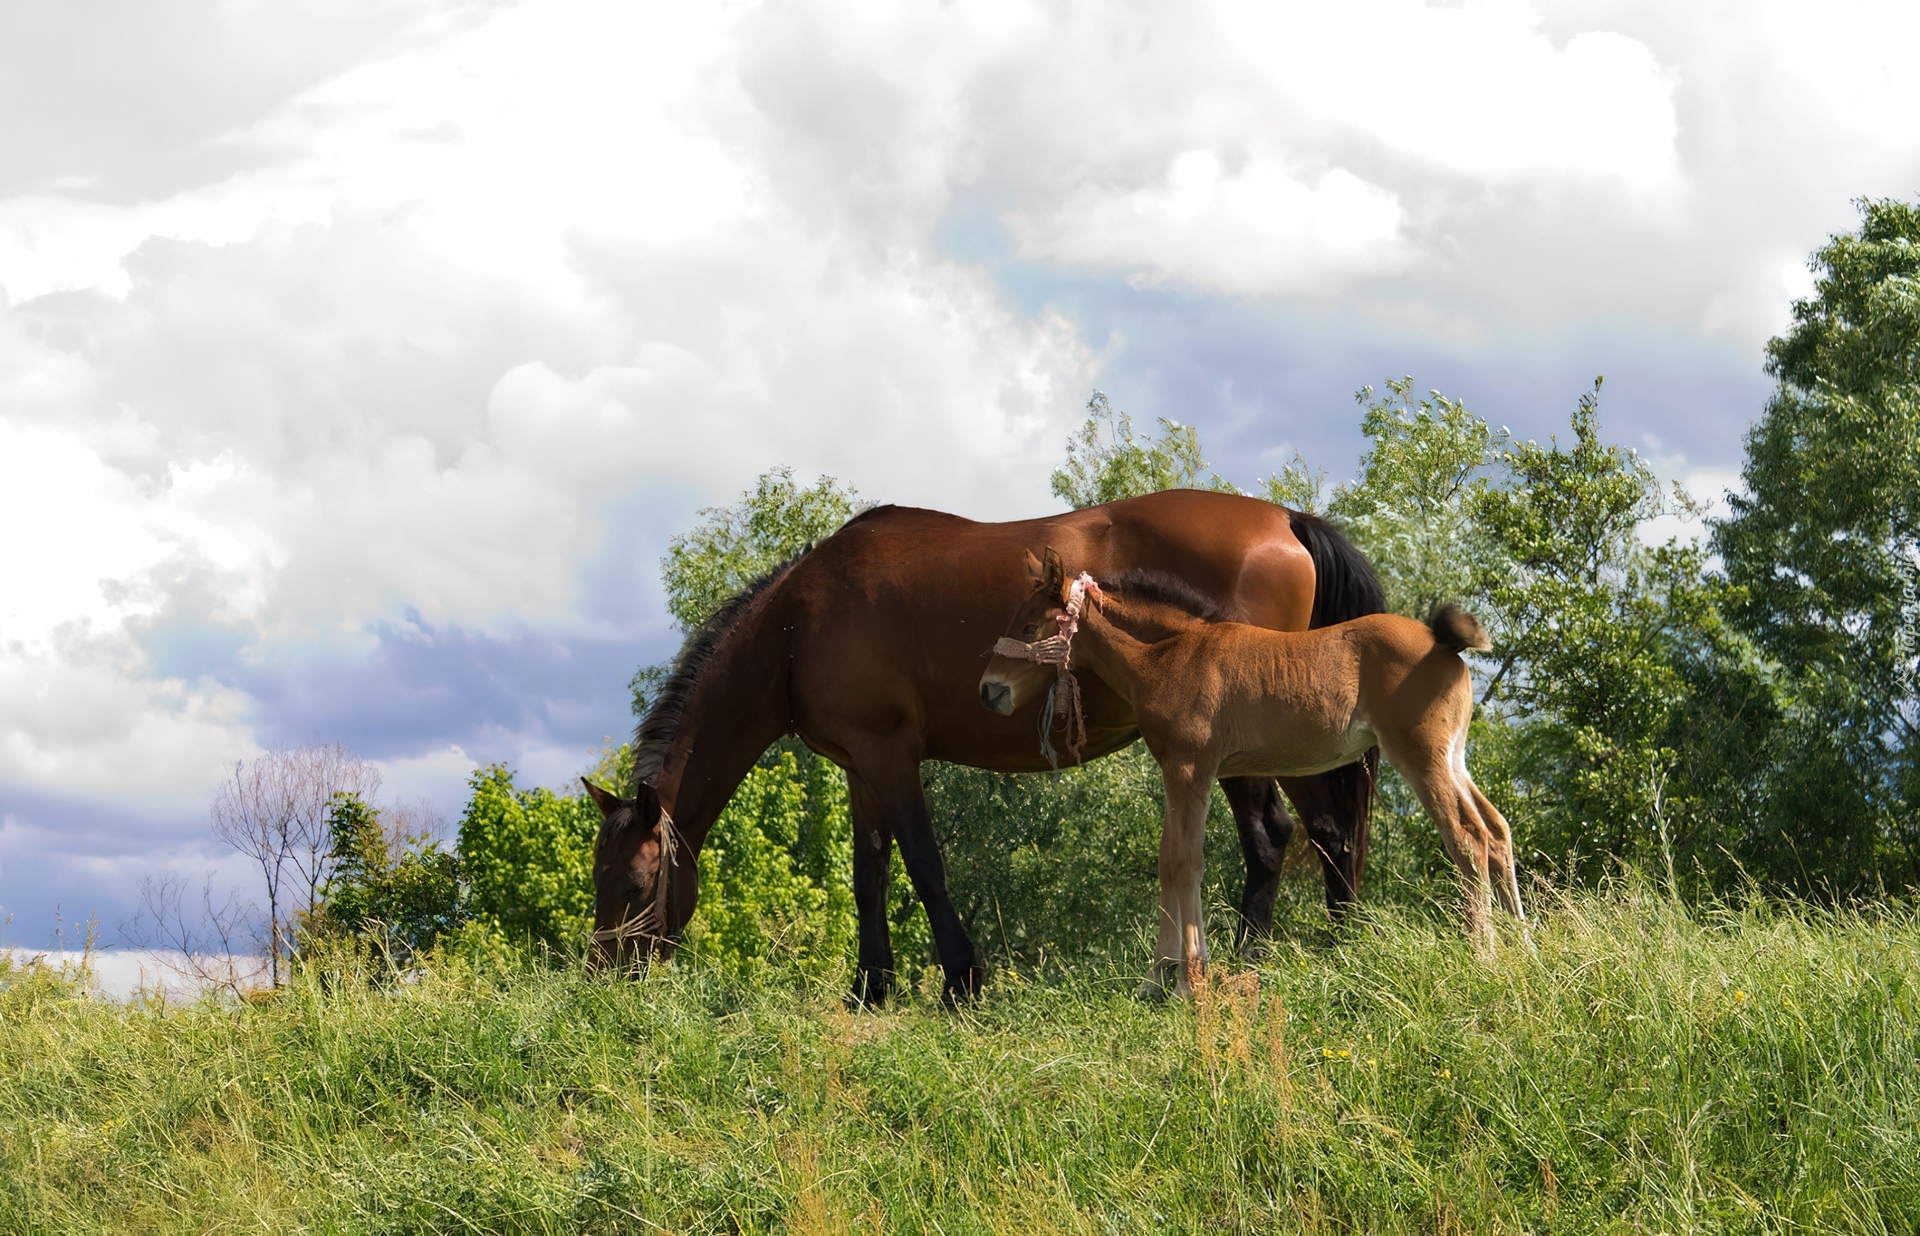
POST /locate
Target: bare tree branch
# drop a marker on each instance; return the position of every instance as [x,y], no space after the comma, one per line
[275,810]
[210,951]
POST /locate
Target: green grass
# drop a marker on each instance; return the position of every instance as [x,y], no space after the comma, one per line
[1638,1067]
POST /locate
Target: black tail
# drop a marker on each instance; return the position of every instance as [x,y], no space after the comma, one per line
[1344,585]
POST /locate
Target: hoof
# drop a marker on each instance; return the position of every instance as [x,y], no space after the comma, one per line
[964,987]
[1158,986]
[871,989]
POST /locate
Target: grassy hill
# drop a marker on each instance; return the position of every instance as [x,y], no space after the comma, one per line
[1633,1067]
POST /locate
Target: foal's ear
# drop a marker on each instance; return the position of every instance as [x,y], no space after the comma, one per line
[1035,572]
[607,802]
[1056,579]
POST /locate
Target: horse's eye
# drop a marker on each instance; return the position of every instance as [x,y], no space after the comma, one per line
[1033,629]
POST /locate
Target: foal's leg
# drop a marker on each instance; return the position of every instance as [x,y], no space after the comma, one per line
[1505,872]
[893,791]
[1265,828]
[1431,774]
[1180,951]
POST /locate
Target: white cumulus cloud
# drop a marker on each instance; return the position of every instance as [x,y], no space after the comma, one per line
[312,322]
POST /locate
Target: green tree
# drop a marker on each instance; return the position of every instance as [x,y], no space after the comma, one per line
[734,545]
[1428,465]
[1107,462]
[527,856]
[1602,645]
[400,894]
[775,875]
[1824,548]
[1298,486]
[1614,686]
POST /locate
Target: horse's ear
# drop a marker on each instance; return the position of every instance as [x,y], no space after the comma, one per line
[1035,572]
[1056,580]
[606,801]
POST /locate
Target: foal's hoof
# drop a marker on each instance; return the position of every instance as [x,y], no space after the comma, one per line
[1159,985]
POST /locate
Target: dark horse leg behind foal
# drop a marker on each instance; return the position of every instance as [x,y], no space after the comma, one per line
[872,850]
[1334,807]
[1265,829]
[888,799]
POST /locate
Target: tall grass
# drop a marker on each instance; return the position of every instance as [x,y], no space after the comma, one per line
[1635,1066]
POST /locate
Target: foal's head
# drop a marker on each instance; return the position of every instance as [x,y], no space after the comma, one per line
[1007,680]
[1149,605]
[635,902]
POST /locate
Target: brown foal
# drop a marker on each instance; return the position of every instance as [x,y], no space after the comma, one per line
[1227,699]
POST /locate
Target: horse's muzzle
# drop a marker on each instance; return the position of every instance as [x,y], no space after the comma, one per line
[998,697]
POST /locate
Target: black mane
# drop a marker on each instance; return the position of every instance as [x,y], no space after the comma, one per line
[654,734]
[1167,589]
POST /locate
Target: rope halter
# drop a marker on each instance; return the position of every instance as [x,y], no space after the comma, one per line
[1057,650]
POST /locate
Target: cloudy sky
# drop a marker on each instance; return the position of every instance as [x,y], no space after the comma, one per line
[354,371]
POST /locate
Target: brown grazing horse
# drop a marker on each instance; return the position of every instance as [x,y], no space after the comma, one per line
[1224,698]
[869,647]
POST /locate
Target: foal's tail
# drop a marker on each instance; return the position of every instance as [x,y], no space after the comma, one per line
[1455,628]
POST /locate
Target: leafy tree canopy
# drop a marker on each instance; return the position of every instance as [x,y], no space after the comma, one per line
[1826,540]
[1106,461]
[1428,464]
[399,893]
[734,545]
[1824,545]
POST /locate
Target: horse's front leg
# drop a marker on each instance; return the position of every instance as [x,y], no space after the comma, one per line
[1180,949]
[889,790]
[872,868]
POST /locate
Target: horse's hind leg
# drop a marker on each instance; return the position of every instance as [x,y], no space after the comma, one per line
[1332,807]
[890,790]
[1265,828]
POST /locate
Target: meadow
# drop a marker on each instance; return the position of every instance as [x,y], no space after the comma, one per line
[1636,1065]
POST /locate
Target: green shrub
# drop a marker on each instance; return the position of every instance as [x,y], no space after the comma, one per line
[399,904]
[527,858]
[775,874]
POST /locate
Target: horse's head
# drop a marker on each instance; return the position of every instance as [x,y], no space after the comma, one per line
[1009,680]
[642,879]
